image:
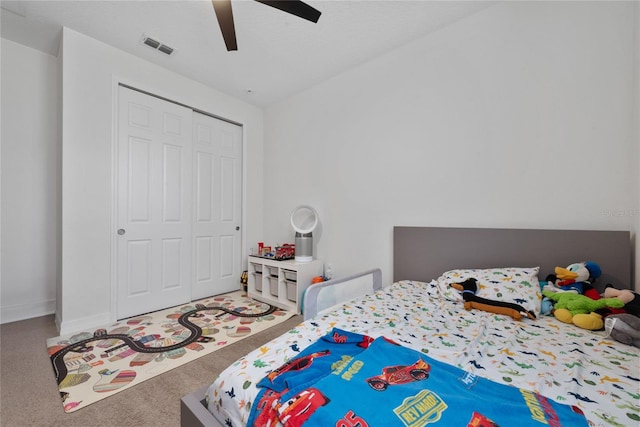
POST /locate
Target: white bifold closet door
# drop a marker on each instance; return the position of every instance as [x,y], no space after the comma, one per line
[171,242]
[217,182]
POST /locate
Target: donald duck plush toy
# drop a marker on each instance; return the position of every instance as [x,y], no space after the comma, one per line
[576,278]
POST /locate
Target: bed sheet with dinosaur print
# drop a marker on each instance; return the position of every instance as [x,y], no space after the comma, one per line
[562,362]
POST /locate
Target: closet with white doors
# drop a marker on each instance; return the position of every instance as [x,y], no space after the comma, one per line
[178,204]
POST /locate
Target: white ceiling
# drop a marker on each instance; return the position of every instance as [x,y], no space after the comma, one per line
[278,54]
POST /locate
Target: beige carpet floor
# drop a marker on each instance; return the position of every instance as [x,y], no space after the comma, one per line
[29,393]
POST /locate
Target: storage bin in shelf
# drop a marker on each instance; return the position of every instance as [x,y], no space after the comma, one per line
[273,285]
[290,275]
[292,290]
[255,273]
[273,271]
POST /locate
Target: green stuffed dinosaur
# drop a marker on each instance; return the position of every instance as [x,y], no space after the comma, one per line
[580,309]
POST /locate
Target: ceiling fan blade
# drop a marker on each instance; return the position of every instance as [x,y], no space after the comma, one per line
[225,19]
[294,7]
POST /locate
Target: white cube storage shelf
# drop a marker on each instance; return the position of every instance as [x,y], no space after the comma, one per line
[281,283]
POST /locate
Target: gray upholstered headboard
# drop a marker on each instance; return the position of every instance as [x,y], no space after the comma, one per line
[423,253]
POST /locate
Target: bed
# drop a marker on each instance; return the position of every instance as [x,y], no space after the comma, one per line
[567,364]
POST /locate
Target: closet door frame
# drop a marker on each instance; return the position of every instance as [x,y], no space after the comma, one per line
[118,81]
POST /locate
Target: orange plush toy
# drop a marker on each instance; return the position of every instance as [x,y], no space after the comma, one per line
[469,288]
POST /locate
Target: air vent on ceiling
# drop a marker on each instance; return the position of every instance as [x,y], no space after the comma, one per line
[157,45]
[165,49]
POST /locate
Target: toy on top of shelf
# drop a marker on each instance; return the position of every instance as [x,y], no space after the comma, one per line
[279,252]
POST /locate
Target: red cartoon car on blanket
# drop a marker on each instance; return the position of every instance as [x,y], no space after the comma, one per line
[479,420]
[296,364]
[400,374]
[295,411]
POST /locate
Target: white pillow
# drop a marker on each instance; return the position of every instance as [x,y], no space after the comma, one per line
[509,284]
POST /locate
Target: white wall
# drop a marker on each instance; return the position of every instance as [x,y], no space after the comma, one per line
[520,116]
[370,149]
[30,175]
[90,70]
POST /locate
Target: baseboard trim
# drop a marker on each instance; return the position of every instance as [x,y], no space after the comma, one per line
[83,324]
[15,313]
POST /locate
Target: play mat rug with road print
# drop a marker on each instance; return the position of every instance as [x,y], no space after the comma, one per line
[98,363]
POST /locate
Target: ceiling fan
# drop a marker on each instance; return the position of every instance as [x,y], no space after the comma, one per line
[225,16]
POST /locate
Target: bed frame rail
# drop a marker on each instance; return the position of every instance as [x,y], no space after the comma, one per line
[193,412]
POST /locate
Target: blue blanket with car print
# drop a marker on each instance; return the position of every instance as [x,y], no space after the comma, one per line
[347,379]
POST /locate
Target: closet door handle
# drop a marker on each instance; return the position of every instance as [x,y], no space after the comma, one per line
[121,231]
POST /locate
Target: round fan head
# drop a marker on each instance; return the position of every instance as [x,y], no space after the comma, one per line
[304,219]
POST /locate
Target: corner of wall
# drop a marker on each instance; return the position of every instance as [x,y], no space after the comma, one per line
[58,306]
[636,245]
[82,324]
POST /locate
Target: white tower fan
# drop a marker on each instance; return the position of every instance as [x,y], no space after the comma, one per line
[304,219]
